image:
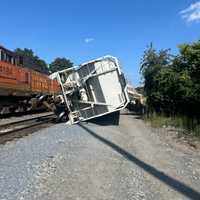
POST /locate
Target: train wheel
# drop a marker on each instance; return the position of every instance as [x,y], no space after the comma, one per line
[5,110]
[12,109]
[20,109]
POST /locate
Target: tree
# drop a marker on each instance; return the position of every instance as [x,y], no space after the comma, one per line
[188,63]
[190,58]
[140,89]
[172,83]
[32,61]
[152,66]
[25,52]
[60,64]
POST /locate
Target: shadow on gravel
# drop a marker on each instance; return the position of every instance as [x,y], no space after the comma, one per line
[107,120]
[170,181]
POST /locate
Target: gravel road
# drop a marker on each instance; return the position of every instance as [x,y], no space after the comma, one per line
[99,160]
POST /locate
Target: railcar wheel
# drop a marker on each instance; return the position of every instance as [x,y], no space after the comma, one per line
[5,110]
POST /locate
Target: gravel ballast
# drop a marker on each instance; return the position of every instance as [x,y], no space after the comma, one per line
[92,161]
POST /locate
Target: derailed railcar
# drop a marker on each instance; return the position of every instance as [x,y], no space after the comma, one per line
[93,89]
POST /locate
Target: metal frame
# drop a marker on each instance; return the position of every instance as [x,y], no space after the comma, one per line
[74,116]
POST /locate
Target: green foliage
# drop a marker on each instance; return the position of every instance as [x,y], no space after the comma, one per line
[154,68]
[25,52]
[172,83]
[140,90]
[60,64]
[32,61]
[183,124]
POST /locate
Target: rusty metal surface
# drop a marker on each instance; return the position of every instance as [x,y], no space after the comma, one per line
[15,80]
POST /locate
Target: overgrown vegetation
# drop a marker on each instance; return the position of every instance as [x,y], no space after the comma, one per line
[172,85]
[182,123]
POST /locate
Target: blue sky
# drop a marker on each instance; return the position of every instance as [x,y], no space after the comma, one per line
[86,29]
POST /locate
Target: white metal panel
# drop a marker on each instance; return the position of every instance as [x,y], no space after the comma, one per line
[94,89]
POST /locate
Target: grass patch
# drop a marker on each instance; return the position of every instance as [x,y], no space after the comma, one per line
[184,123]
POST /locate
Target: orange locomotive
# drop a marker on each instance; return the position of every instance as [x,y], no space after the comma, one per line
[21,86]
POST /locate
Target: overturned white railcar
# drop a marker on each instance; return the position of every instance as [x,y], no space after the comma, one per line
[93,89]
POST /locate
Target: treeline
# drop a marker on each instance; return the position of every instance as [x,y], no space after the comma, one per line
[172,82]
[32,61]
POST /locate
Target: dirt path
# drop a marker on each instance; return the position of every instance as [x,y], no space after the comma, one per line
[171,166]
[100,160]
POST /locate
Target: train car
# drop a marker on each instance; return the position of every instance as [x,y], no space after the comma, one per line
[21,86]
[93,89]
[137,100]
[55,87]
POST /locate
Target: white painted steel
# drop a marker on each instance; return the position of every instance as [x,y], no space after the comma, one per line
[93,89]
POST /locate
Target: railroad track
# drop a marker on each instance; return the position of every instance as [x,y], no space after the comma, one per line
[18,114]
[20,125]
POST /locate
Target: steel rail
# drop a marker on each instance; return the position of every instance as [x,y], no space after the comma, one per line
[18,127]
